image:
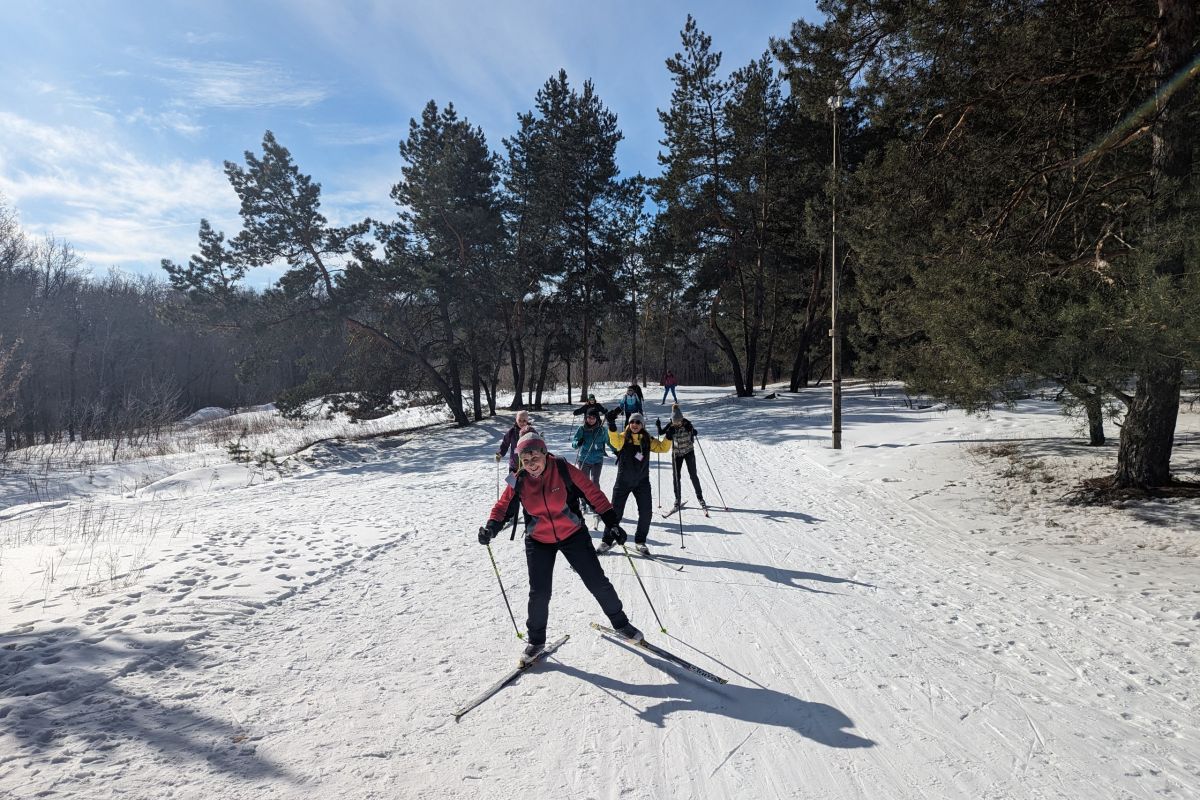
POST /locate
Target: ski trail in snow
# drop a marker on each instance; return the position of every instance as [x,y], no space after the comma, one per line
[311,636]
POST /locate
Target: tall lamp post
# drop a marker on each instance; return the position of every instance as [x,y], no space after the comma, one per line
[835,333]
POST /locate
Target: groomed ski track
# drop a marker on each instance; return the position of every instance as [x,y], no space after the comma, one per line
[874,649]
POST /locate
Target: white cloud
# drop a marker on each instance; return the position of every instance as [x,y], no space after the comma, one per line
[112,205]
[176,121]
[349,134]
[230,85]
[191,37]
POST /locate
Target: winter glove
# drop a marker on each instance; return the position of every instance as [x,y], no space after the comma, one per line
[614,533]
[658,422]
[611,414]
[488,532]
[498,456]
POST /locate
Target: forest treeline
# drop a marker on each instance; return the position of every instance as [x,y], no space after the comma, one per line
[1015,205]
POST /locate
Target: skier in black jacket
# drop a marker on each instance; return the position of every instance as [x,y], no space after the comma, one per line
[589,406]
[633,447]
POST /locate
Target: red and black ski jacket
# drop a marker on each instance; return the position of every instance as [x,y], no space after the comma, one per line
[551,501]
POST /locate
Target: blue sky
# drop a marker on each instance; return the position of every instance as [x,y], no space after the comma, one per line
[115,117]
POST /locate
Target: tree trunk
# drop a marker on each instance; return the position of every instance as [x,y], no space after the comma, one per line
[543,371]
[583,364]
[567,361]
[516,357]
[730,352]
[770,348]
[801,368]
[666,333]
[454,397]
[1093,404]
[633,308]
[489,393]
[493,384]
[1144,456]
[476,381]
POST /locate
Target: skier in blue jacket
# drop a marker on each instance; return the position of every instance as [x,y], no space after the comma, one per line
[631,403]
[588,442]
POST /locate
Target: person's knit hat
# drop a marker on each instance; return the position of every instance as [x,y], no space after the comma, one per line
[676,413]
[531,441]
[591,397]
[635,417]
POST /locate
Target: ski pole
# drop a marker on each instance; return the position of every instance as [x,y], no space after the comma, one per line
[504,593]
[677,477]
[658,469]
[639,580]
[710,474]
[497,481]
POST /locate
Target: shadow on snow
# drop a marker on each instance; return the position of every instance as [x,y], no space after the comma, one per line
[819,722]
[61,691]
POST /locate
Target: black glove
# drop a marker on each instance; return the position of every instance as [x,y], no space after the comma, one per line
[611,415]
[614,533]
[488,532]
[658,422]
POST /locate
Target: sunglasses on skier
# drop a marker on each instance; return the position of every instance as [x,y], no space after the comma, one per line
[634,422]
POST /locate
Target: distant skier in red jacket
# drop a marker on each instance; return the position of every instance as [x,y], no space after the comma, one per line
[669,383]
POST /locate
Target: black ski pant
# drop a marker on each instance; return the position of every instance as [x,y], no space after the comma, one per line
[641,494]
[593,473]
[581,555]
[679,459]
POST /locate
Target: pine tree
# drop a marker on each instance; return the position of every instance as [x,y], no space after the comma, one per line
[1004,232]
[440,254]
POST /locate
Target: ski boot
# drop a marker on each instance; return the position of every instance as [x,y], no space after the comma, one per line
[629,632]
[532,651]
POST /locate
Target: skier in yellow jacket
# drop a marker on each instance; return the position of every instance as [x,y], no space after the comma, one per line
[634,446]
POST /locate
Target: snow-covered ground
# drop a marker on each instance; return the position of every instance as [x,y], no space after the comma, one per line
[916,615]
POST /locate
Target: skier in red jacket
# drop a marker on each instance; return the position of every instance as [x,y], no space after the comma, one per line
[550,489]
[669,383]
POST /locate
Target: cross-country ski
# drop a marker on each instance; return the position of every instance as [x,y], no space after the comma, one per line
[661,653]
[509,678]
